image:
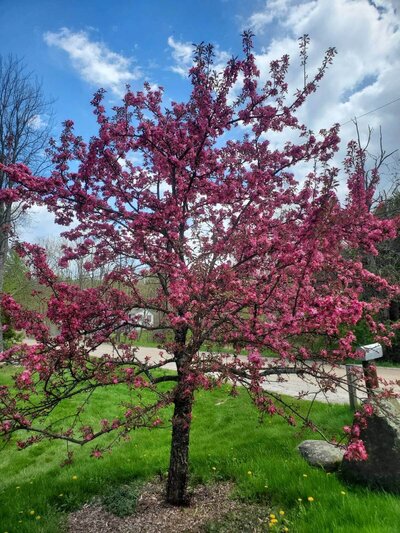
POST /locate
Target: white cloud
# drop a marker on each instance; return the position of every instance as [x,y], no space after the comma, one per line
[38,223]
[273,9]
[94,62]
[364,74]
[182,53]
[38,122]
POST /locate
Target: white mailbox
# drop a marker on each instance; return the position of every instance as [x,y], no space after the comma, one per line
[371,351]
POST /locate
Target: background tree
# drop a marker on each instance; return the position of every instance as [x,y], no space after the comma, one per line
[245,252]
[25,123]
[388,265]
[388,206]
[18,283]
[74,271]
[385,203]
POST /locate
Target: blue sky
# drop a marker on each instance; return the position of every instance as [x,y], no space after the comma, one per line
[76,47]
[135,30]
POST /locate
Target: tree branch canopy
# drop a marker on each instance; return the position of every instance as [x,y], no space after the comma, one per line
[243,249]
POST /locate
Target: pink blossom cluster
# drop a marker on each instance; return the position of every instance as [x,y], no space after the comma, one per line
[215,234]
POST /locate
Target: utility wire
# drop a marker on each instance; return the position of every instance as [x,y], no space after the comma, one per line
[372,111]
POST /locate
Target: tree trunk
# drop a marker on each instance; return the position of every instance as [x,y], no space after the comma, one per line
[179,459]
[4,235]
[394,310]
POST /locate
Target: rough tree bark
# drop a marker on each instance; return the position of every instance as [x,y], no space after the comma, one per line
[179,458]
[178,473]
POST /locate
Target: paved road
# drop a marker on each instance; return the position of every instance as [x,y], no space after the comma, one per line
[292,384]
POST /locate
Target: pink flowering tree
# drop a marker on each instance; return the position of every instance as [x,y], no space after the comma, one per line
[208,225]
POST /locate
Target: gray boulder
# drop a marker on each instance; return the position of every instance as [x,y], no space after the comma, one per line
[381,439]
[321,454]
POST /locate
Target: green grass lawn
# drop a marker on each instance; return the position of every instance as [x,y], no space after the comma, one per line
[227,442]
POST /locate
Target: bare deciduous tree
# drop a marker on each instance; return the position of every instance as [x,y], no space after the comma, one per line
[25,124]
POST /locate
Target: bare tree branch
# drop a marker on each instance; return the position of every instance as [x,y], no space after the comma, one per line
[25,125]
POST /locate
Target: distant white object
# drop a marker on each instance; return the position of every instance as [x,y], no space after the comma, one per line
[371,351]
[143,317]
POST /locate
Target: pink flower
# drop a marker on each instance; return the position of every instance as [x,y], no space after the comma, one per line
[6,426]
[98,454]
[356,451]
[255,359]
[104,423]
[368,409]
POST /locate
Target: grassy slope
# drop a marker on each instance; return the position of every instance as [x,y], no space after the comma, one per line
[226,443]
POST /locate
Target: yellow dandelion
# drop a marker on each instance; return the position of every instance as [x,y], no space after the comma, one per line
[249,473]
[214,468]
[274,521]
[32,512]
[272,516]
[281,512]
[342,492]
[285,529]
[299,499]
[38,517]
[310,499]
[305,475]
[74,478]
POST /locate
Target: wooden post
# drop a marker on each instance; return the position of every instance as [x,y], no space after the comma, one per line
[352,386]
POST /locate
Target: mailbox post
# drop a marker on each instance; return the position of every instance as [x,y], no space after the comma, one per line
[370,353]
[367,354]
[352,386]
